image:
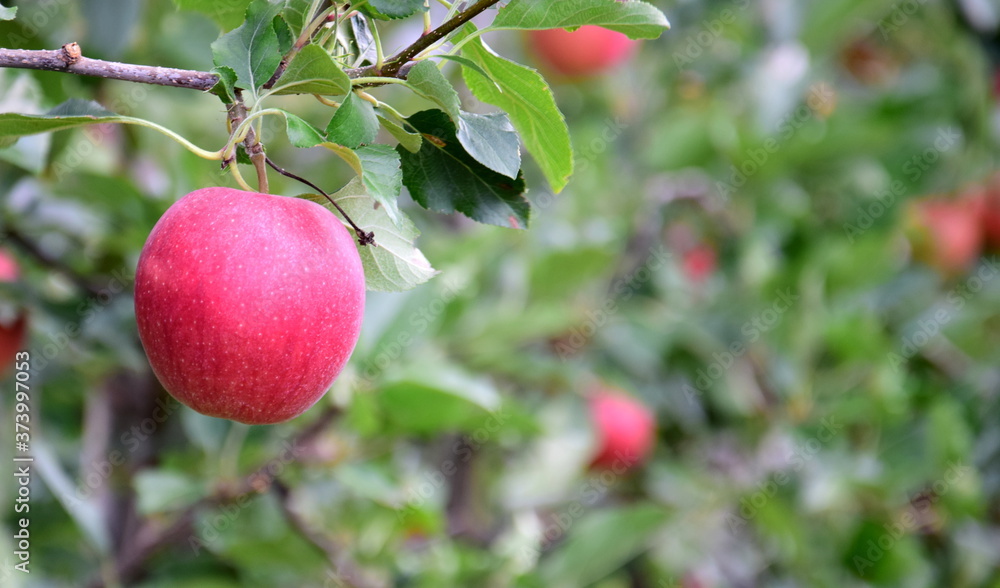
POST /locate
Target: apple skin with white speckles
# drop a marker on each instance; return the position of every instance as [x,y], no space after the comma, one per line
[248,305]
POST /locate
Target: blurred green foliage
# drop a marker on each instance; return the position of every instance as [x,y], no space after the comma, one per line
[818,424]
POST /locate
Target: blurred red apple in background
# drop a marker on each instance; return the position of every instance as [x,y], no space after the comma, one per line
[248,305]
[699,262]
[586,51]
[12,328]
[946,234]
[625,428]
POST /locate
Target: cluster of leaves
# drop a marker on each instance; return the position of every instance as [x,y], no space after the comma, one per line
[450,160]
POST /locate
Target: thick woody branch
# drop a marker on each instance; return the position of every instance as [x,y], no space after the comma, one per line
[69,60]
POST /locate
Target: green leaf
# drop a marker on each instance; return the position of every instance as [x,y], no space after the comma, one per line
[364,42]
[443,177]
[313,71]
[432,398]
[392,9]
[395,264]
[638,20]
[378,167]
[354,123]
[600,543]
[242,157]
[298,14]
[526,97]
[8,13]
[463,61]
[252,50]
[284,34]
[225,87]
[492,140]
[227,15]
[410,141]
[427,80]
[69,114]
[300,132]
[19,92]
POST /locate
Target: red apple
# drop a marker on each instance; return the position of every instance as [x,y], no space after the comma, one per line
[625,430]
[9,270]
[586,51]
[699,262]
[946,234]
[248,305]
[12,329]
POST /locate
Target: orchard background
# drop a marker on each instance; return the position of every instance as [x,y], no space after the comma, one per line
[771,237]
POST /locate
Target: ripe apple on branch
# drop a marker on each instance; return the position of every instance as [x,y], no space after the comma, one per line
[249,304]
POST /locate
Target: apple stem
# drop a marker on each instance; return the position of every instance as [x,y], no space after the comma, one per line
[363,237]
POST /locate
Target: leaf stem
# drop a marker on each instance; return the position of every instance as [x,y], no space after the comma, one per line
[363,237]
[235,169]
[326,101]
[202,153]
[376,80]
[379,55]
[475,35]
[230,453]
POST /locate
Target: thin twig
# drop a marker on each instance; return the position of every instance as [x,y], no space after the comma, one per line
[69,60]
[363,237]
[344,568]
